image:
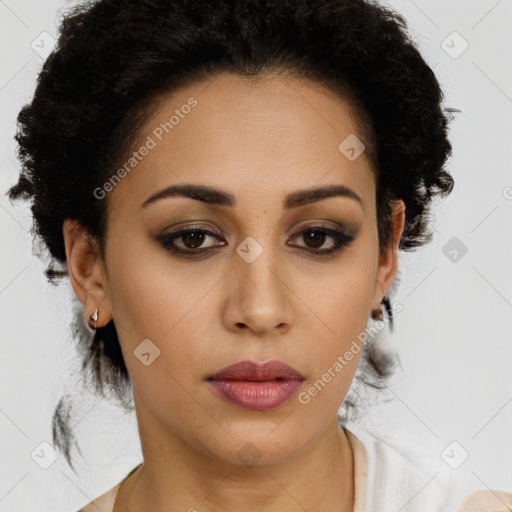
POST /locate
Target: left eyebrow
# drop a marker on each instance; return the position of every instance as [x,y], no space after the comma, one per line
[212,195]
[312,195]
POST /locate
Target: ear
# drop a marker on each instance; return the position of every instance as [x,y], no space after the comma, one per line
[388,263]
[87,272]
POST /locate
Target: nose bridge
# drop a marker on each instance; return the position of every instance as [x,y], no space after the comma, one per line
[261,294]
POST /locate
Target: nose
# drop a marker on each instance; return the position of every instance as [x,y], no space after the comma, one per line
[260,291]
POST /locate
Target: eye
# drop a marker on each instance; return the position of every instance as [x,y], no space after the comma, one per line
[316,236]
[188,241]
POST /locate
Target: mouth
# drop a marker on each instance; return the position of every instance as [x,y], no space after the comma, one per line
[256,386]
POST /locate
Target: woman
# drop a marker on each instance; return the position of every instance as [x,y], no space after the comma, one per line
[227,185]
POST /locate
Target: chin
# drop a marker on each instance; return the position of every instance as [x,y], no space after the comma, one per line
[253,445]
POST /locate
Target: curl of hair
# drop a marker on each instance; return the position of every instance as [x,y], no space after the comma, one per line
[113,58]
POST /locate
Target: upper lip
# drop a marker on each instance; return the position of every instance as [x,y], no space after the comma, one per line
[251,370]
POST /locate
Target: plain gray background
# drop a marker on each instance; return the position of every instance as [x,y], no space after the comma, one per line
[453,335]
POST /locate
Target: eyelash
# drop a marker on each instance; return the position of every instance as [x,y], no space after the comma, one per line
[340,238]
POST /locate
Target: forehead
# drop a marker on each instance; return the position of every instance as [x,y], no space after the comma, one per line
[256,138]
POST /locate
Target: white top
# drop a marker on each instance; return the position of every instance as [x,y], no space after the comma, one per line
[385,480]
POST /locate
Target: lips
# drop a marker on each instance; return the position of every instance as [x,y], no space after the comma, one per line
[249,370]
[256,386]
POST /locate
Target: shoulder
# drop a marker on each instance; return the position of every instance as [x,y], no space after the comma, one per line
[105,502]
[487,501]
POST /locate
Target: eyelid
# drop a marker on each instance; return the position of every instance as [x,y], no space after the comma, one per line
[347,229]
[176,228]
[316,223]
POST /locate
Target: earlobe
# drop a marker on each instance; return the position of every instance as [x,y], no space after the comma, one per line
[86,273]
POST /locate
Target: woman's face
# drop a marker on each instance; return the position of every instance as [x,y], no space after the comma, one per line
[258,282]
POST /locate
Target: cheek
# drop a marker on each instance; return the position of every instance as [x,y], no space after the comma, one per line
[338,300]
[155,299]
[333,327]
[161,332]
[147,294]
[169,309]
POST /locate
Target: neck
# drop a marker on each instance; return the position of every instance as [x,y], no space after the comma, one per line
[176,476]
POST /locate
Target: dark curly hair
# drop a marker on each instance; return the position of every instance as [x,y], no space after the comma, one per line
[114,58]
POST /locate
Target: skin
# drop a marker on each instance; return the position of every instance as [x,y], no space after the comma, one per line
[259,140]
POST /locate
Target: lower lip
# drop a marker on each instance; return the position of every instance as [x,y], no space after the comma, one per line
[256,395]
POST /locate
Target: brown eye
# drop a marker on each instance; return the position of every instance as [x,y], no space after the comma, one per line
[188,241]
[193,239]
[315,237]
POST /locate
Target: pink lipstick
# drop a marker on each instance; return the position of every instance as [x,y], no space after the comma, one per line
[257,386]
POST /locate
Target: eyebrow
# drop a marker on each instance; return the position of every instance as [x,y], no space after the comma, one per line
[212,195]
